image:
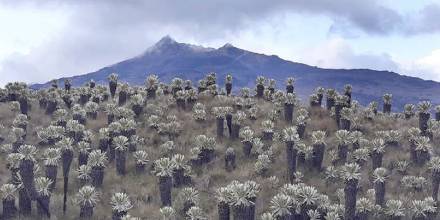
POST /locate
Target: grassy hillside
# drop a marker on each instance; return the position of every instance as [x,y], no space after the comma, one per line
[185,120]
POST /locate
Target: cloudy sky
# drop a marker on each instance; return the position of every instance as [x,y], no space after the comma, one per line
[54,38]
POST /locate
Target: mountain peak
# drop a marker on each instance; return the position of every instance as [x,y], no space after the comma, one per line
[166,40]
[165,43]
[227,45]
[168,45]
[231,49]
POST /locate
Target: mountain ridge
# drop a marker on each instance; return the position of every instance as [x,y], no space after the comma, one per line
[169,58]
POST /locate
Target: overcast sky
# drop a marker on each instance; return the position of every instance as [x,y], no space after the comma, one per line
[54,38]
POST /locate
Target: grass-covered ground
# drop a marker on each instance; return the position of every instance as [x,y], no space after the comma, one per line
[143,188]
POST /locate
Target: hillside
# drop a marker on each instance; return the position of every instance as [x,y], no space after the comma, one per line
[174,157]
[169,59]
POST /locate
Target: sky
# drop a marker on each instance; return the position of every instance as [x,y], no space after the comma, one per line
[47,39]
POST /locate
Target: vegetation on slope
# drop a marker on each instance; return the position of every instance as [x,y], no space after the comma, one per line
[181,151]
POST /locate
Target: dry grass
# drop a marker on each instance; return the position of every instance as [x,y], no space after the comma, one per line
[143,189]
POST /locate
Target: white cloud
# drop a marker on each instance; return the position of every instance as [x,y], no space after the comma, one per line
[338,53]
[427,67]
[23,28]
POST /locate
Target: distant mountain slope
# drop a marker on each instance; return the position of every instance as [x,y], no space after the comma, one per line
[169,59]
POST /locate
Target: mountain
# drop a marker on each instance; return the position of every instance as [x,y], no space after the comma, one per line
[169,59]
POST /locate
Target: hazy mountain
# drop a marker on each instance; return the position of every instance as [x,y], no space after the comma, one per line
[169,59]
